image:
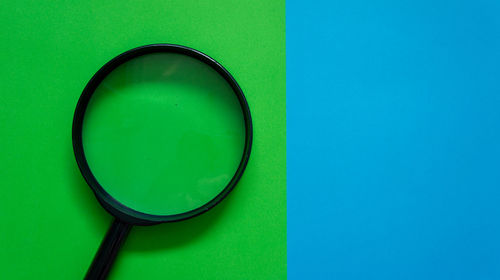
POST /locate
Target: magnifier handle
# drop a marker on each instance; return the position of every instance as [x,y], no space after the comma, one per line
[108,250]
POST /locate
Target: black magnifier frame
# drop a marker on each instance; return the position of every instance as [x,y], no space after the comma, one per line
[126,216]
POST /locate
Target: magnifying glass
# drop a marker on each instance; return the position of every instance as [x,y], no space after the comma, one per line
[161,133]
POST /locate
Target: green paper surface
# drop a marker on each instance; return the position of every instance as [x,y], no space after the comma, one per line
[51,223]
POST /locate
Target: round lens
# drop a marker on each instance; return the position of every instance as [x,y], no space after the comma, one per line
[163,133]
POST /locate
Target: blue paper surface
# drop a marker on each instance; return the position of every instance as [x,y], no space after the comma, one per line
[393,139]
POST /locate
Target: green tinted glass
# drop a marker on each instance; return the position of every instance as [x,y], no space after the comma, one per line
[163,134]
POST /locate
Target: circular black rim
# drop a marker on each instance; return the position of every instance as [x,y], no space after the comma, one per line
[116,208]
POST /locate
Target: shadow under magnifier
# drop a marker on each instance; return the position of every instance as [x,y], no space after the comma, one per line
[176,234]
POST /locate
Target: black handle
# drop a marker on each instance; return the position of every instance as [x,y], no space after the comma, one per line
[108,250]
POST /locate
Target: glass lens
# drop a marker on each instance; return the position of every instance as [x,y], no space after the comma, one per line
[163,134]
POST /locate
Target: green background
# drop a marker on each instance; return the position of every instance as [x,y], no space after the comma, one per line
[51,225]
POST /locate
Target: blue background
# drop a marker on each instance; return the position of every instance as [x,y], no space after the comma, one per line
[393,139]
